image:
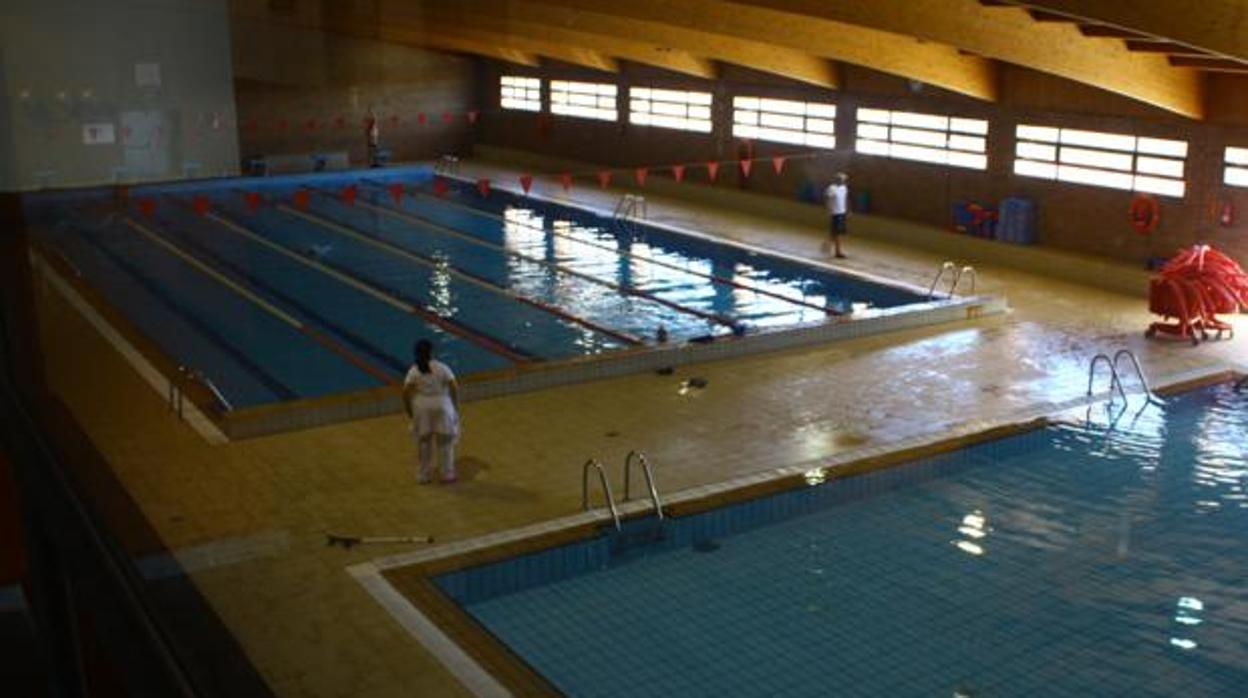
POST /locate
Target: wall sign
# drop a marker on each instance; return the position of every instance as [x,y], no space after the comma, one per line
[147,74]
[100,133]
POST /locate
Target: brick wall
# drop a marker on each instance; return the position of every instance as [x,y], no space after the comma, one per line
[1080,218]
[301,91]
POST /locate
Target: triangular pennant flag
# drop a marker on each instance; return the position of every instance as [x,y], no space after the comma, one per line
[678,172]
[199,204]
[483,187]
[252,200]
[394,119]
[421,118]
[472,116]
[396,192]
[712,169]
[604,178]
[340,122]
[641,173]
[526,181]
[447,117]
[777,163]
[310,124]
[147,206]
[301,199]
[349,193]
[440,186]
[745,167]
[283,124]
[565,179]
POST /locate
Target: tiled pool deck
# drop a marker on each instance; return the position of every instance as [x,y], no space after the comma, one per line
[248,519]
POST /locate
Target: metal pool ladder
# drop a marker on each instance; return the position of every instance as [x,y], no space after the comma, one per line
[630,206]
[606,489]
[649,473]
[187,375]
[1139,372]
[955,277]
[1115,381]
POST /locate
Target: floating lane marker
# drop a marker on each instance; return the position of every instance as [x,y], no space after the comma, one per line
[314,334]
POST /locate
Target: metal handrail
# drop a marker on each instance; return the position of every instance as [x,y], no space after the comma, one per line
[1139,372]
[606,489]
[649,473]
[199,377]
[968,269]
[1242,384]
[1115,381]
[947,266]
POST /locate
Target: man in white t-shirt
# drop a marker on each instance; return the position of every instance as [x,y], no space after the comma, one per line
[837,197]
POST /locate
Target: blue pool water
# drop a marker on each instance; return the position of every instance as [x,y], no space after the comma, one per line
[278,303]
[1065,561]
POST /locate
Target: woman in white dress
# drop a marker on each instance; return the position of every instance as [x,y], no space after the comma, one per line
[431,398]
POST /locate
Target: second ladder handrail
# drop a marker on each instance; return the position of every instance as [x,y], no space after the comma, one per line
[649,474]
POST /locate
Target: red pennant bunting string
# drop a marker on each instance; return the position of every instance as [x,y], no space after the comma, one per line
[745,167]
[340,122]
[526,181]
[396,192]
[440,186]
[678,172]
[712,169]
[252,199]
[147,207]
[565,180]
[421,118]
[472,116]
[283,124]
[349,193]
[199,204]
[310,124]
[777,163]
[301,199]
[447,117]
[394,119]
[641,173]
[483,187]
[604,178]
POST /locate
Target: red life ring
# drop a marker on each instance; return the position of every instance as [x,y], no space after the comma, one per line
[1145,213]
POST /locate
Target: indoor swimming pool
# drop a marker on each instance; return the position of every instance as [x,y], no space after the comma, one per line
[1073,559]
[278,289]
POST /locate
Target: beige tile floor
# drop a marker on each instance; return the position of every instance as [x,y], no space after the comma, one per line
[312,631]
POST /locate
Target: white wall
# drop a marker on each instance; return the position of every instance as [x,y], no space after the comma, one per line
[68,63]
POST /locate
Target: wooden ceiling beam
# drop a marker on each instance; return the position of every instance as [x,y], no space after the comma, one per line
[1163,46]
[756,55]
[1012,36]
[403,16]
[1108,32]
[1217,26]
[450,36]
[1211,64]
[897,53]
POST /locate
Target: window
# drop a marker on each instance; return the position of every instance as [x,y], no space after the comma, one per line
[784,121]
[520,93]
[1236,173]
[943,140]
[590,100]
[1099,159]
[686,111]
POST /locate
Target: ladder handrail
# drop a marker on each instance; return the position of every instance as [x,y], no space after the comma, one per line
[1115,381]
[606,489]
[1242,384]
[194,375]
[1139,372]
[649,473]
[968,269]
[947,266]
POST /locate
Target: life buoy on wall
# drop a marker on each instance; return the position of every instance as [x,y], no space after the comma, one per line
[1145,213]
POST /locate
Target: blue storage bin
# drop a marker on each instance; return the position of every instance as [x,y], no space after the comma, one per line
[1017,221]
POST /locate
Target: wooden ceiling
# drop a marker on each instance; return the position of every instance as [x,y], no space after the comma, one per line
[1154,51]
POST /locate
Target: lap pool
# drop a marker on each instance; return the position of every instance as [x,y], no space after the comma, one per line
[283,289]
[1066,560]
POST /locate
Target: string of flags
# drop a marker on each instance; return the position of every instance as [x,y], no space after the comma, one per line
[440,186]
